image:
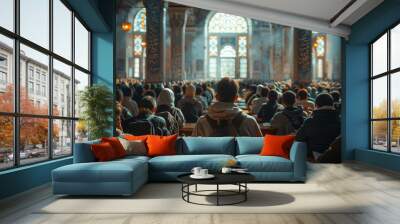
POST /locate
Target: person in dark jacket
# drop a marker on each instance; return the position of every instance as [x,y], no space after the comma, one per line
[268,110]
[289,120]
[322,128]
[147,107]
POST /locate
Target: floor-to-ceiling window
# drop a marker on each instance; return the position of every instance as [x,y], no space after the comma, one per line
[385,91]
[228,37]
[44,64]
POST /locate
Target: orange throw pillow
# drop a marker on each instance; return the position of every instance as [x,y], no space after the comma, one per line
[277,145]
[135,138]
[116,145]
[103,152]
[161,145]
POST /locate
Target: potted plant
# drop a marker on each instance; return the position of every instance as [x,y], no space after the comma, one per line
[96,103]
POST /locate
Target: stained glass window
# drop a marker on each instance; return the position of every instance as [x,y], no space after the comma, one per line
[212,67]
[228,52]
[138,45]
[227,46]
[226,23]
[139,24]
[213,46]
[242,46]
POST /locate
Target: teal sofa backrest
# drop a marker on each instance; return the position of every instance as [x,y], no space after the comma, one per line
[206,145]
[83,152]
[249,145]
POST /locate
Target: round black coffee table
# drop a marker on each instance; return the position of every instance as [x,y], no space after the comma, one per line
[238,179]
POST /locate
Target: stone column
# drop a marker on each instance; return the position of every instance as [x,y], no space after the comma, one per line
[178,18]
[154,36]
[302,56]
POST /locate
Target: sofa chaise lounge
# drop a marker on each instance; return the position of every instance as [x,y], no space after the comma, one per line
[125,176]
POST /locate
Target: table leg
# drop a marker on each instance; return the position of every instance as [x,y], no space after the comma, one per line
[245,193]
[217,194]
[196,187]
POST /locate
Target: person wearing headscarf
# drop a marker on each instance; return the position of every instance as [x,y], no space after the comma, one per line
[166,102]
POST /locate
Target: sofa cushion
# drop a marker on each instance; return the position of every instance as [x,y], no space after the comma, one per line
[249,145]
[257,163]
[277,145]
[112,171]
[116,145]
[161,145]
[103,152]
[185,163]
[206,145]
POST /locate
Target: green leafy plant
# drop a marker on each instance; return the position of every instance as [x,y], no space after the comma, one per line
[96,103]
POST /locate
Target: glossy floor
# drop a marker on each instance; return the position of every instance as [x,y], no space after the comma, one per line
[377,188]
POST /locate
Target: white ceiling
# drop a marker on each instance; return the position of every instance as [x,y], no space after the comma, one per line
[321,9]
[314,15]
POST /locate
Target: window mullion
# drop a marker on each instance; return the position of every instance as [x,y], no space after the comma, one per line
[16,84]
[50,81]
[389,94]
[73,82]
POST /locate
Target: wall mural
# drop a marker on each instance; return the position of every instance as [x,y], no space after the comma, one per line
[189,42]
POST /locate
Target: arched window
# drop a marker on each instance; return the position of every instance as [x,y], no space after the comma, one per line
[319,57]
[227,37]
[137,63]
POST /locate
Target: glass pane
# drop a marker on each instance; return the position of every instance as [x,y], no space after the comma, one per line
[379,135]
[7,14]
[395,94]
[34,97]
[6,74]
[228,67]
[81,45]
[62,138]
[81,131]
[379,98]
[62,29]
[395,47]
[62,89]
[81,82]
[379,55]
[6,142]
[212,67]
[226,23]
[35,21]
[140,21]
[228,52]
[395,136]
[138,48]
[242,46]
[33,139]
[243,68]
[137,67]
[213,46]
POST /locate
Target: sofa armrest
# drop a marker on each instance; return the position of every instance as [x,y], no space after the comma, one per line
[298,155]
[83,152]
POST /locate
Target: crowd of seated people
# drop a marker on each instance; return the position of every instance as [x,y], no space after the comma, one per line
[235,108]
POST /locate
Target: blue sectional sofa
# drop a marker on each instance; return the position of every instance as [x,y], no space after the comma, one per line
[125,176]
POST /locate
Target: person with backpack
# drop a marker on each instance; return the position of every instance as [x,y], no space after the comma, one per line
[290,119]
[189,105]
[166,103]
[269,109]
[147,107]
[223,117]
